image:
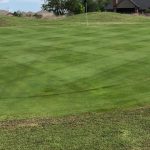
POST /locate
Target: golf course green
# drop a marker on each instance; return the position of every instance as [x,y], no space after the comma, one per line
[73,66]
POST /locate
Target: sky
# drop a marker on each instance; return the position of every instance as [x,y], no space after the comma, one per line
[22,5]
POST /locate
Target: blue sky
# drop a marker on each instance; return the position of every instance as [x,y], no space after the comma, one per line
[22,5]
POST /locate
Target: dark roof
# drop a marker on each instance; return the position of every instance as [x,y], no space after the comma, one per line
[142,4]
[110,5]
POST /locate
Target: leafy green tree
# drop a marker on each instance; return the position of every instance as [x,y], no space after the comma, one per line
[92,6]
[60,7]
[74,6]
[56,6]
[102,4]
[17,13]
[95,5]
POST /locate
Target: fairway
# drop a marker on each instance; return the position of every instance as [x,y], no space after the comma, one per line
[62,67]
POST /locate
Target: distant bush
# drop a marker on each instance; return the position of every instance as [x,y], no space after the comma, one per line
[38,16]
[147,10]
[29,14]
[18,14]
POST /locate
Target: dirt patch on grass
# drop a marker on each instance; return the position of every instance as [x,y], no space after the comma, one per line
[117,130]
[77,120]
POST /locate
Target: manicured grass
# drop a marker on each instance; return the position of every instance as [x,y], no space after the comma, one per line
[123,130]
[62,67]
[68,86]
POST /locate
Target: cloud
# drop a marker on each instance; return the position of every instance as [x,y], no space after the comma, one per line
[4,1]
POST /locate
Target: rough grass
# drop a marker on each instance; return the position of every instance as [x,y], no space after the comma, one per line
[120,130]
[105,17]
[93,18]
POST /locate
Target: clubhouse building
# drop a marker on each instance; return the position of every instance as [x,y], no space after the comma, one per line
[128,6]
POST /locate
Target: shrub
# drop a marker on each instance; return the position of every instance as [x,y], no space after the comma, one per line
[38,16]
[147,10]
[17,13]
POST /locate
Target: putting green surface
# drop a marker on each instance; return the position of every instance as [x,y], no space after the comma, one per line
[62,67]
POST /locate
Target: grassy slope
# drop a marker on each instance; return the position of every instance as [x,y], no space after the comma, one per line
[51,68]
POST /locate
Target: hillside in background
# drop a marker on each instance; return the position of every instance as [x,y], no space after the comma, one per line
[77,19]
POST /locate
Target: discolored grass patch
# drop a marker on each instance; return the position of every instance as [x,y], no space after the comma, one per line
[121,130]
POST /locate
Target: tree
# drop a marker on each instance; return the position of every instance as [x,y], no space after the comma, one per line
[17,13]
[56,6]
[95,5]
[60,7]
[92,6]
[74,6]
[102,4]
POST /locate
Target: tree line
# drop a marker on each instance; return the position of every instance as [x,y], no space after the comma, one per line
[61,7]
